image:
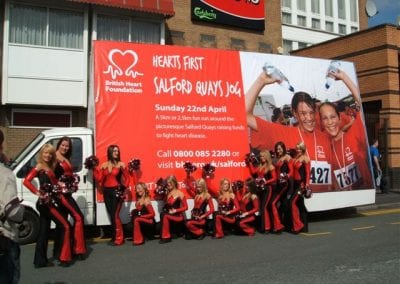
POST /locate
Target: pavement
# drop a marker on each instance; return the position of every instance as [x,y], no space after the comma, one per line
[383,201]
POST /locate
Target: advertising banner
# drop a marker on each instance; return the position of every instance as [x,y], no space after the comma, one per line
[171,105]
[248,14]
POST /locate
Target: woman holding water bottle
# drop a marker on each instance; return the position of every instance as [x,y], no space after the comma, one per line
[264,134]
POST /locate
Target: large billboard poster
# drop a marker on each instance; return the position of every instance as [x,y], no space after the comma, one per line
[248,14]
[168,105]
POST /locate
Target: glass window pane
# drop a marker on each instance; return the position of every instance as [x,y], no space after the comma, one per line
[316,24]
[301,5]
[146,32]
[66,29]
[341,9]
[353,11]
[301,21]
[328,8]
[329,26]
[27,24]
[354,29]
[302,44]
[287,46]
[286,18]
[342,29]
[112,28]
[315,6]
[287,3]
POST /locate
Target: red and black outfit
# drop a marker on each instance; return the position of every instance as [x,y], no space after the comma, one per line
[284,188]
[51,210]
[111,182]
[267,179]
[180,206]
[79,243]
[250,207]
[231,206]
[301,176]
[142,216]
[197,226]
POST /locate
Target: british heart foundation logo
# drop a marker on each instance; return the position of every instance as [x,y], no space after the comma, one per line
[122,63]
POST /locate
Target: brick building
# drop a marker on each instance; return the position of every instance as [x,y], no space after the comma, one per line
[31,70]
[376,55]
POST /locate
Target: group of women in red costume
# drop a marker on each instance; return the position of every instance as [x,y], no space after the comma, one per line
[55,203]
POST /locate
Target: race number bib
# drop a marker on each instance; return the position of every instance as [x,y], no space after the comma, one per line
[347,176]
[320,173]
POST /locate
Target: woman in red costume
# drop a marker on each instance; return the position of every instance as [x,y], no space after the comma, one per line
[65,174]
[284,187]
[203,207]
[49,207]
[349,148]
[143,214]
[113,178]
[249,206]
[265,178]
[174,209]
[301,176]
[228,207]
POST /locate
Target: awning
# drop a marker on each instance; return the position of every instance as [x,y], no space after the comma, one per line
[163,7]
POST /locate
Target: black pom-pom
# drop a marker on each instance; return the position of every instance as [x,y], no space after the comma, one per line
[91,162]
[134,165]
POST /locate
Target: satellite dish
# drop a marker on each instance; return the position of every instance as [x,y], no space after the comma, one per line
[370,8]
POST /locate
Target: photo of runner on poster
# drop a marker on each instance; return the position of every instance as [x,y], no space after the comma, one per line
[276,84]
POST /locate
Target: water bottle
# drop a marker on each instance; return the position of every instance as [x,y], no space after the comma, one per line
[333,67]
[277,74]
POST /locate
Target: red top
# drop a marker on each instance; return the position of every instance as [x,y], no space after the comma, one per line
[245,208]
[149,208]
[200,203]
[109,179]
[302,172]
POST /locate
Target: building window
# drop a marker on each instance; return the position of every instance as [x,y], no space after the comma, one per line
[41,118]
[238,44]
[353,11]
[208,40]
[354,29]
[264,47]
[287,46]
[342,29]
[302,44]
[287,3]
[286,18]
[301,5]
[329,8]
[329,26]
[127,29]
[315,6]
[316,24]
[341,9]
[301,21]
[43,26]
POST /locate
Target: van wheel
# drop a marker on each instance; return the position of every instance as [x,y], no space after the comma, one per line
[29,228]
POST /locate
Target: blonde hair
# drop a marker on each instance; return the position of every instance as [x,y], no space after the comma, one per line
[49,148]
[173,180]
[268,158]
[201,182]
[301,146]
[221,183]
[145,188]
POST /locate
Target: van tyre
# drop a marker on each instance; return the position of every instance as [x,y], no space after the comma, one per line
[29,227]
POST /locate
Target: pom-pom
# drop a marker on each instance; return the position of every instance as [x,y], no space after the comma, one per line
[208,170]
[134,165]
[237,185]
[253,159]
[91,162]
[189,167]
[161,189]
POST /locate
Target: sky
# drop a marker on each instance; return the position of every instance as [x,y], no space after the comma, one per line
[388,10]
